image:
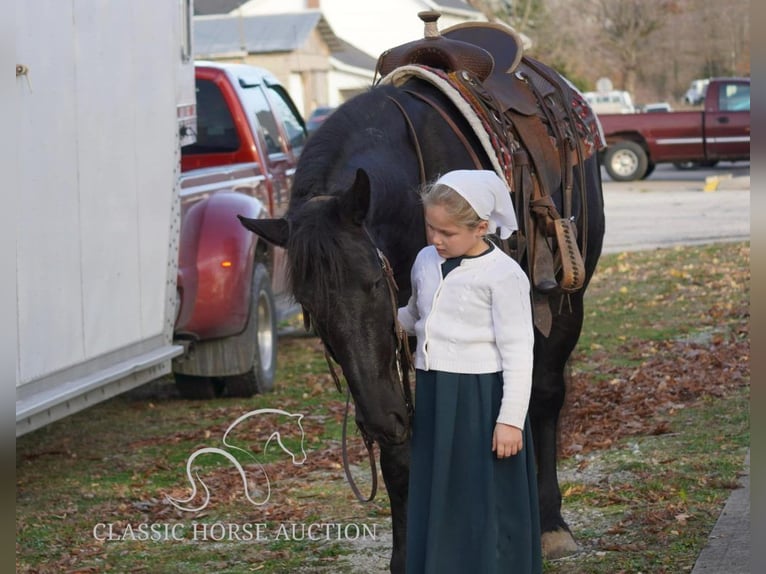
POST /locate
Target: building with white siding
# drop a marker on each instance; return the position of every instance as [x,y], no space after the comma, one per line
[324,51]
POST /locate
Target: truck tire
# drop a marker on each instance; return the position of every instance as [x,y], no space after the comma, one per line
[262,327]
[625,161]
[649,170]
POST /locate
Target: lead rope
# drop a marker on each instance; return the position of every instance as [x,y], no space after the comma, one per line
[368,442]
[369,445]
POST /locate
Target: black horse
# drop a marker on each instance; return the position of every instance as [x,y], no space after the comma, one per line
[355,192]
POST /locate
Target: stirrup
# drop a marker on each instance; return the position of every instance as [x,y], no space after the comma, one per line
[572,266]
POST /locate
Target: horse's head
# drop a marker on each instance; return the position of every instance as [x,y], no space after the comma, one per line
[337,274]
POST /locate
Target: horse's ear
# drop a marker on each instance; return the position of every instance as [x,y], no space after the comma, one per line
[274,231]
[356,201]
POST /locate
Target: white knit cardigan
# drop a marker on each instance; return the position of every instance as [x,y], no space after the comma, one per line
[478,319]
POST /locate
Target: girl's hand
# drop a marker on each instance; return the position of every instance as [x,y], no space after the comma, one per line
[506,440]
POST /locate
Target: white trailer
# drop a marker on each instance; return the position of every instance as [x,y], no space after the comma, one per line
[104,98]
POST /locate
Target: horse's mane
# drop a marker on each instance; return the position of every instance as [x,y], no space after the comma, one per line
[318,256]
[324,167]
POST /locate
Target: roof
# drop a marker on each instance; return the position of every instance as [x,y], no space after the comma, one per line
[207,7]
[453,4]
[260,34]
[353,56]
[246,73]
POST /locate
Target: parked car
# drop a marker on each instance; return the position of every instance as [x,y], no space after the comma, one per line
[696,93]
[721,131]
[317,117]
[656,107]
[232,286]
[610,102]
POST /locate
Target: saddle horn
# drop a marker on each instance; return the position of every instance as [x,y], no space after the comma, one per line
[437,51]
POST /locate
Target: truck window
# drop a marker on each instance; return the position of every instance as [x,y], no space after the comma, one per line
[216,132]
[734,98]
[257,105]
[296,132]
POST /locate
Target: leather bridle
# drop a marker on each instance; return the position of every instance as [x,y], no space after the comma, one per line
[404,364]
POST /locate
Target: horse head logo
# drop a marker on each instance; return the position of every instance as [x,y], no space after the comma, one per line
[297,460]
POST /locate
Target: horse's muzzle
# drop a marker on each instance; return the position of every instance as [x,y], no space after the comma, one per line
[387,430]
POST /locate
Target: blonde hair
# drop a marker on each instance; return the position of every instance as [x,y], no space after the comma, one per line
[453,203]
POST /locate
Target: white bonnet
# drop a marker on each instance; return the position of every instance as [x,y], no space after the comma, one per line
[487,194]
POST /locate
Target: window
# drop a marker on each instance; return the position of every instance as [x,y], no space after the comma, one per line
[264,121]
[734,98]
[216,131]
[284,108]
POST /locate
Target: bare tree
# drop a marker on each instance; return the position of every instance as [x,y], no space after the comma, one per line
[652,48]
[522,15]
[627,27]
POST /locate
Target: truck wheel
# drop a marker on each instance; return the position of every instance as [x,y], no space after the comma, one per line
[625,161]
[197,388]
[262,325]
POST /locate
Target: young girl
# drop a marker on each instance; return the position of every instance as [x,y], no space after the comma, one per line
[473,493]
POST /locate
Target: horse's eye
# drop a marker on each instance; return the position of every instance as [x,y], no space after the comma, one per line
[379,283]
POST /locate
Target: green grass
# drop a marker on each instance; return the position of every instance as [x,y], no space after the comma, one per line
[660,495]
[645,504]
[659,295]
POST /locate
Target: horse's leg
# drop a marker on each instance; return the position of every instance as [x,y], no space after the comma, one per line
[395,465]
[557,539]
[548,391]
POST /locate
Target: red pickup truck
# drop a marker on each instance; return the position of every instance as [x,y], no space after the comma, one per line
[636,143]
[232,285]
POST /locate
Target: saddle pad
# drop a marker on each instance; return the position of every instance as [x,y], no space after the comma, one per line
[400,75]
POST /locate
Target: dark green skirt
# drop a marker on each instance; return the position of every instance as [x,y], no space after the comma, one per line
[468,511]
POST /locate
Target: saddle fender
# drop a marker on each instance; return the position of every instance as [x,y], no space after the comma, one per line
[216,257]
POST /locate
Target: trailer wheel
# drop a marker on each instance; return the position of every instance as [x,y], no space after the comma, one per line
[197,388]
[262,325]
[625,161]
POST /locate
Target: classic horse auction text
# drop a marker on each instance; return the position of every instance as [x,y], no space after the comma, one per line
[232,532]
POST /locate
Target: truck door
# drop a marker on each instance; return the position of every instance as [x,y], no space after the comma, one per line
[727,121]
[283,135]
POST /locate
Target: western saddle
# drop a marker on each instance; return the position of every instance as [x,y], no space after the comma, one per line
[540,128]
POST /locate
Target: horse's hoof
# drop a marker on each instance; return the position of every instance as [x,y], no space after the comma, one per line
[558,544]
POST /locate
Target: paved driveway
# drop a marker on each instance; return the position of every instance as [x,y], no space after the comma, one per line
[672,208]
